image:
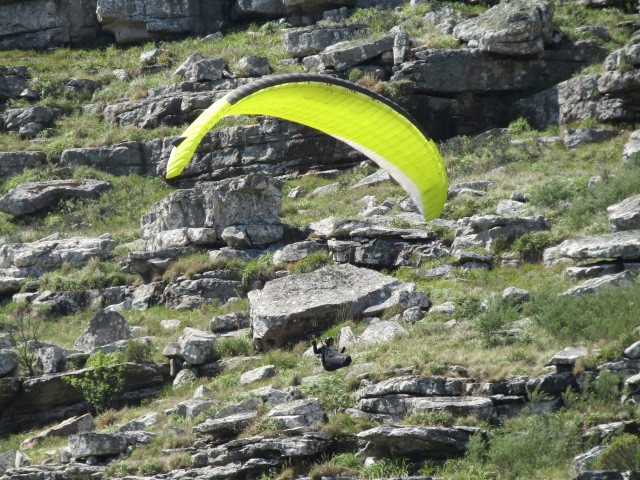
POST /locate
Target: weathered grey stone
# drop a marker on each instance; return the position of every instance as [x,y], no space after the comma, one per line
[104,328]
[631,150]
[197,347]
[35,258]
[515,296]
[253,66]
[380,332]
[298,413]
[289,307]
[231,424]
[599,474]
[81,86]
[301,42]
[7,460]
[8,362]
[509,207]
[515,28]
[185,376]
[411,385]
[51,359]
[191,408]
[416,442]
[633,350]
[141,423]
[625,215]
[553,383]
[579,136]
[206,70]
[13,80]
[37,118]
[592,270]
[13,163]
[619,245]
[488,230]
[119,159]
[137,21]
[191,59]
[413,314]
[253,202]
[257,374]
[30,197]
[297,251]
[568,357]
[83,423]
[37,24]
[230,321]
[595,285]
[350,53]
[253,9]
[83,445]
[221,285]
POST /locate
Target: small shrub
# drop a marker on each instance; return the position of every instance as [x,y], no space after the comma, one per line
[24,328]
[355,74]
[261,268]
[331,391]
[102,385]
[435,418]
[312,262]
[95,274]
[520,126]
[531,245]
[496,317]
[139,352]
[622,454]
[387,468]
[234,347]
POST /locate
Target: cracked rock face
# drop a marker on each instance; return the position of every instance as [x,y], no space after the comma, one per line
[623,246]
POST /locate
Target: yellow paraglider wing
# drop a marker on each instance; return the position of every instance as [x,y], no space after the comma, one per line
[363,119]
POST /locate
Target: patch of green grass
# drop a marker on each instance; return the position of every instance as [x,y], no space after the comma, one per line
[234,347]
[332,392]
[312,262]
[95,274]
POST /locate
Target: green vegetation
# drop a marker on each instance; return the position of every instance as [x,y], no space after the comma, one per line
[95,274]
[102,385]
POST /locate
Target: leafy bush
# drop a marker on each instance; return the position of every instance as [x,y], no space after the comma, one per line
[496,317]
[531,245]
[102,385]
[261,268]
[622,454]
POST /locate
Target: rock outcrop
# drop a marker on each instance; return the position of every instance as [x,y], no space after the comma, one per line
[199,216]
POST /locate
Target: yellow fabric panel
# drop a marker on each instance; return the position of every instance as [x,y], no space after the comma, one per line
[368,125]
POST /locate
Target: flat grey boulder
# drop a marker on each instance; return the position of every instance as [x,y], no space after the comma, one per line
[301,42]
[297,251]
[298,413]
[183,293]
[13,163]
[332,227]
[229,321]
[574,137]
[8,362]
[515,28]
[14,119]
[119,159]
[197,347]
[631,149]
[50,253]
[625,215]
[253,66]
[290,307]
[78,424]
[568,357]
[83,445]
[13,80]
[380,332]
[416,442]
[231,424]
[623,246]
[350,53]
[104,327]
[412,385]
[257,374]
[253,202]
[30,197]
[205,70]
[595,285]
[191,408]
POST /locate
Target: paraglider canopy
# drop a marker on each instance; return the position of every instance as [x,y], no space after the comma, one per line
[368,122]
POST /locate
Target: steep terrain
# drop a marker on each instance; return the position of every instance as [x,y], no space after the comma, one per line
[155,329]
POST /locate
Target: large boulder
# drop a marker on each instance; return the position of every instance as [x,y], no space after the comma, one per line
[8,362]
[252,202]
[27,121]
[291,307]
[136,20]
[487,231]
[631,150]
[625,215]
[516,28]
[13,163]
[595,285]
[350,53]
[46,23]
[197,347]
[220,285]
[30,197]
[624,246]
[380,332]
[90,444]
[79,424]
[416,442]
[35,258]
[104,327]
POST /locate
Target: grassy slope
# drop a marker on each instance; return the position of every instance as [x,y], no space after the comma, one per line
[536,447]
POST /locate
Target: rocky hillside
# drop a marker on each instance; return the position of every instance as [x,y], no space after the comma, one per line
[162,330]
